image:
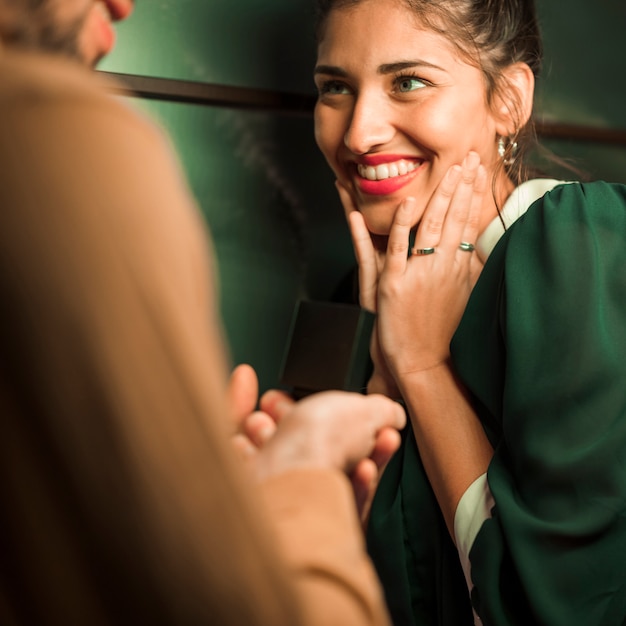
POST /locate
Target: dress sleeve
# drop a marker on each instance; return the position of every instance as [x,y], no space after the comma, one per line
[473,509]
[554,550]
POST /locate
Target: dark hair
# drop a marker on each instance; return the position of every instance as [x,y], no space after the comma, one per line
[491,34]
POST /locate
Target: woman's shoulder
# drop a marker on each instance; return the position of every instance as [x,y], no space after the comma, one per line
[573,233]
[598,200]
[578,210]
[549,203]
[586,195]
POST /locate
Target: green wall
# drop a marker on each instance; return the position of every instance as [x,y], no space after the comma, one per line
[583,79]
[267,195]
[259,179]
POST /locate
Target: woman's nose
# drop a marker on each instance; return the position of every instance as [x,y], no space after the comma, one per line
[370,125]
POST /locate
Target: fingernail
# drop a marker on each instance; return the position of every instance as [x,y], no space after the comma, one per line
[453,173]
[249,449]
[472,160]
[267,432]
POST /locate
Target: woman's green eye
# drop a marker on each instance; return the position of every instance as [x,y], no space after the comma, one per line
[409,84]
[334,88]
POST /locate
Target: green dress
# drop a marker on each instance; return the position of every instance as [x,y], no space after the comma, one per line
[542,350]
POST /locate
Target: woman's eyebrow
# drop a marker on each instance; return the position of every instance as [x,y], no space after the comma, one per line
[398,66]
[330,69]
[386,68]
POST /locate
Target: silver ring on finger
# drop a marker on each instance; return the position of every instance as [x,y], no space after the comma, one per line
[423,251]
[466,246]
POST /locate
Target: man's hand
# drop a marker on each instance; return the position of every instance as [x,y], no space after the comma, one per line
[340,430]
[345,431]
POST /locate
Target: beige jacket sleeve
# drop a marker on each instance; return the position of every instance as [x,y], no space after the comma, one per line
[322,543]
[122,502]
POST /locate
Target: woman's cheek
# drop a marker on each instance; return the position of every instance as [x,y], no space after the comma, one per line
[322,130]
[329,134]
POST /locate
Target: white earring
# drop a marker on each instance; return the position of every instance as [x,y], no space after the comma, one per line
[501,147]
[506,144]
[507,149]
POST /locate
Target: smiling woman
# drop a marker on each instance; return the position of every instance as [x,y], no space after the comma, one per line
[509,482]
[393,117]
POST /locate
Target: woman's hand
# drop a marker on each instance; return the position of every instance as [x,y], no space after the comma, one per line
[422,297]
[420,301]
[370,253]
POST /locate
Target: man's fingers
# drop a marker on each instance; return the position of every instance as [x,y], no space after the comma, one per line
[243,447]
[276,404]
[259,427]
[364,478]
[367,472]
[242,391]
[387,442]
[388,413]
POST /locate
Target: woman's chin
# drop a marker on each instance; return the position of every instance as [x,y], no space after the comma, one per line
[377,226]
[379,222]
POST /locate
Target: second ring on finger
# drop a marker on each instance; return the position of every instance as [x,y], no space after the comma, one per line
[465,246]
[423,251]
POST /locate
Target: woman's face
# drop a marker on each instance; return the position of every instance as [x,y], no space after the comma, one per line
[397,107]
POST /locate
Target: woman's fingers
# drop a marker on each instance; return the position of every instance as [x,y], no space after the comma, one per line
[367,259]
[472,222]
[421,303]
[363,247]
[364,251]
[460,204]
[429,231]
[453,213]
[398,244]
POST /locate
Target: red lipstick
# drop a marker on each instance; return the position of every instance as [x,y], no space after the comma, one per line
[389,184]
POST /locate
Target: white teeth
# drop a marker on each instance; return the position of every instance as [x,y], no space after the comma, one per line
[382,171]
[386,170]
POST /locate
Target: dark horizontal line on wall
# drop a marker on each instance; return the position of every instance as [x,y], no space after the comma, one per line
[593,134]
[209,94]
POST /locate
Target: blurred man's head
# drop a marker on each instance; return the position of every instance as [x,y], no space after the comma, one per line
[80,29]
